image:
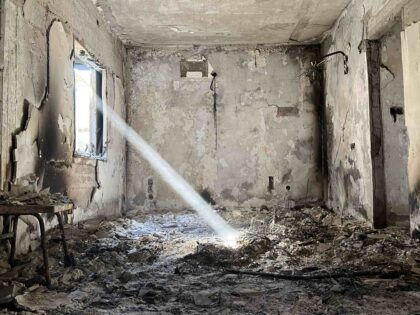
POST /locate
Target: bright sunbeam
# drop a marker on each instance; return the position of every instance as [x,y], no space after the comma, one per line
[174,180]
[232,240]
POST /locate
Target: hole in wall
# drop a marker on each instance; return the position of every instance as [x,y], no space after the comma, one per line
[270,184]
[288,188]
[150,188]
[25,117]
[395,112]
[194,68]
[353,146]
[205,194]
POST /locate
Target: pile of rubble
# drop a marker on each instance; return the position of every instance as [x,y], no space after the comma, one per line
[173,264]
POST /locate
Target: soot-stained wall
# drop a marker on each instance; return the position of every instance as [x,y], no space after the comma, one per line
[353,110]
[38,103]
[267,122]
[411,60]
[347,119]
[394,127]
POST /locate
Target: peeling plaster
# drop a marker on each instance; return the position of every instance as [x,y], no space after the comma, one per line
[40,113]
[347,99]
[65,126]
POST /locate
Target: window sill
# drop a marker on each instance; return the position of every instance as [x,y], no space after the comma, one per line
[88,156]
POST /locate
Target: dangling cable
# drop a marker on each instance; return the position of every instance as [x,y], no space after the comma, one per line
[213,88]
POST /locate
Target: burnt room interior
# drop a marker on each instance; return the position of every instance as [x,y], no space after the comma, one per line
[204,157]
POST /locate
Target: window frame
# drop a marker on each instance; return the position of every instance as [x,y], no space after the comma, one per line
[83,57]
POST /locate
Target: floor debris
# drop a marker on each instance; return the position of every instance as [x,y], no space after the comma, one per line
[173,264]
[41,300]
[7,294]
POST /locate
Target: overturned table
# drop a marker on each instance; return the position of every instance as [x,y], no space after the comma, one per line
[15,211]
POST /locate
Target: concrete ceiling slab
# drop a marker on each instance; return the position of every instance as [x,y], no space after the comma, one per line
[206,22]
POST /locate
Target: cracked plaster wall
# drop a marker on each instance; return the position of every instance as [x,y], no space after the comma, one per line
[267,120]
[348,116]
[347,119]
[395,132]
[37,112]
[411,61]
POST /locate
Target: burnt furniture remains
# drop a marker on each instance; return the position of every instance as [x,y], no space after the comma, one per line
[13,212]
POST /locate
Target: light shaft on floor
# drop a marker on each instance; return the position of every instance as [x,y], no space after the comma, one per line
[173,179]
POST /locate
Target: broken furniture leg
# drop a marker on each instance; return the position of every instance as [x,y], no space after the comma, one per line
[44,249]
[15,220]
[43,245]
[68,258]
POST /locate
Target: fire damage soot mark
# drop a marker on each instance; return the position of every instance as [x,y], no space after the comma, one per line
[205,194]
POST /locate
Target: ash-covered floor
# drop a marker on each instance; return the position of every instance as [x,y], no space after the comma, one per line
[173,264]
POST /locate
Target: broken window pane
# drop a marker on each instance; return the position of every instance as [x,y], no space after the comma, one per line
[89,122]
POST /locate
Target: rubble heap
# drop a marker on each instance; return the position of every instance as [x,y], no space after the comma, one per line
[173,264]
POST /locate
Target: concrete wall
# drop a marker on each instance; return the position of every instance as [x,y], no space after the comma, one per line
[395,136]
[353,112]
[267,125]
[347,119]
[411,60]
[38,106]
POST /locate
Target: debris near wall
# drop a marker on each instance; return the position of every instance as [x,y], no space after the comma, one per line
[174,264]
[221,256]
[25,191]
